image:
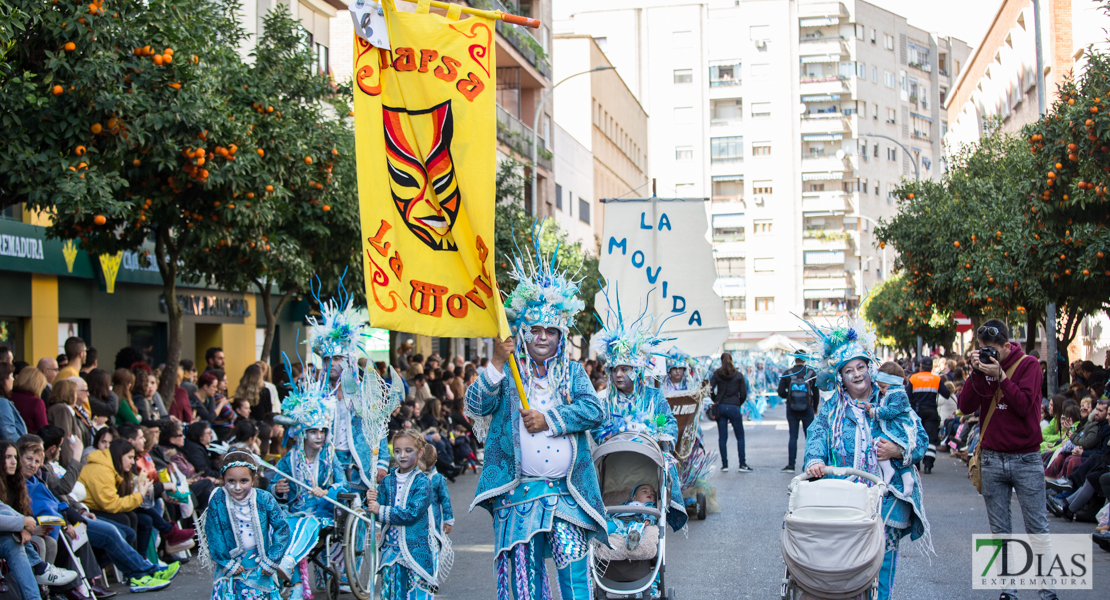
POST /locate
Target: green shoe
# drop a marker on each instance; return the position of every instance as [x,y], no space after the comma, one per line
[168,573]
[147,583]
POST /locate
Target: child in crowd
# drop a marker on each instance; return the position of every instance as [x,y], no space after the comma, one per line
[244,534]
[464,455]
[894,413]
[409,553]
[631,524]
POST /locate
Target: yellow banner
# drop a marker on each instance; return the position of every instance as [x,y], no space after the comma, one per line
[425,132]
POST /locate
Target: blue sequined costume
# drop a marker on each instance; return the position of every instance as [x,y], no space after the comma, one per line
[222,545]
[409,549]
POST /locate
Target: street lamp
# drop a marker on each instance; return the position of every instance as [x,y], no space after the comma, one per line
[535,131]
[916,172]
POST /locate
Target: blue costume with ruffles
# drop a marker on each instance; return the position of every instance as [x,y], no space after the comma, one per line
[409,550]
[222,544]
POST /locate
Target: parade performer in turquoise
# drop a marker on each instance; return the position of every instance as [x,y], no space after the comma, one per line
[243,534]
[538,480]
[403,504]
[680,372]
[845,435]
[311,408]
[628,349]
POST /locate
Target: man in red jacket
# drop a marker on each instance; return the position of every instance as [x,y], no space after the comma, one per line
[1011,441]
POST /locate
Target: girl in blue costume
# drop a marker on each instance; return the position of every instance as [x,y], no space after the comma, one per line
[845,435]
[442,512]
[243,534]
[403,505]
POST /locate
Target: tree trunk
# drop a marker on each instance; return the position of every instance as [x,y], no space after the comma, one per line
[1030,331]
[166,256]
[271,313]
[584,352]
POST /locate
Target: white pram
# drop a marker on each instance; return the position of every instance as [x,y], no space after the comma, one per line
[833,538]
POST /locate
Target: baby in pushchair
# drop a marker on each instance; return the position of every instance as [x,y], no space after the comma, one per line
[631,525]
[893,412]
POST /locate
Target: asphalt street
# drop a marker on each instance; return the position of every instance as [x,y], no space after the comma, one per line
[735,553]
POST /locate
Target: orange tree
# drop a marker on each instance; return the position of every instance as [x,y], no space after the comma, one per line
[131,121]
[962,242]
[899,316]
[310,191]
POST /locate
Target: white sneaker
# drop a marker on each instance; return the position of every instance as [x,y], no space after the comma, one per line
[54,576]
[724,469]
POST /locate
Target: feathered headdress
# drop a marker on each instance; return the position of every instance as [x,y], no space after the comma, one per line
[835,346]
[677,359]
[339,330]
[544,295]
[629,343]
[310,403]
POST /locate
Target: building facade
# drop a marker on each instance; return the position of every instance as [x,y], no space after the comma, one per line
[798,119]
[601,115]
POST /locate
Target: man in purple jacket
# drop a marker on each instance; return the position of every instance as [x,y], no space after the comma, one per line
[1011,458]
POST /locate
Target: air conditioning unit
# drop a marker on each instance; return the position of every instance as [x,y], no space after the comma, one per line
[759,200]
[761,44]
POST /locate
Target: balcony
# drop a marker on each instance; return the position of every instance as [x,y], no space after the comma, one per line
[831,201]
[822,45]
[822,163]
[825,84]
[827,239]
[518,136]
[518,37]
[835,122]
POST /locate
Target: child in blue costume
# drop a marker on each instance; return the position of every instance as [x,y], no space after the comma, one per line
[631,525]
[444,516]
[894,413]
[243,534]
[403,504]
[311,461]
[538,480]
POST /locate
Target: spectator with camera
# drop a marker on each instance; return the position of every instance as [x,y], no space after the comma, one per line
[1005,387]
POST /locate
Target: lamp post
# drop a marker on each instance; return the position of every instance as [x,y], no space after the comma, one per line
[535,131]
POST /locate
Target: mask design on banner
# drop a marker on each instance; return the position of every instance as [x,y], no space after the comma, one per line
[425,189]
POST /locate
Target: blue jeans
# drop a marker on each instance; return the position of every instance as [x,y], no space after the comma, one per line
[109,537]
[1004,474]
[20,558]
[730,413]
[793,419]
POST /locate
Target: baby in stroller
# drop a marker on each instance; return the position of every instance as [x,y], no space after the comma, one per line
[631,525]
[893,412]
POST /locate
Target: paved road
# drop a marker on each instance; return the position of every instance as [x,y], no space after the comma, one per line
[735,553]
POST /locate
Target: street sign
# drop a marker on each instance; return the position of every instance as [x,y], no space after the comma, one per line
[963,324]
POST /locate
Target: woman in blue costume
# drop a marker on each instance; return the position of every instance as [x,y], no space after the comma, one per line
[633,405]
[403,504]
[312,461]
[538,480]
[844,435]
[243,534]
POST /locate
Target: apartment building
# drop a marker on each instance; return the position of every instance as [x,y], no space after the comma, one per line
[798,119]
[606,131]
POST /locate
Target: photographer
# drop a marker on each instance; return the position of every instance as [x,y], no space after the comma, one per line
[1005,387]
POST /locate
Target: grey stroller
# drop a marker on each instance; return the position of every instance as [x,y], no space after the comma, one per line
[833,539]
[623,462]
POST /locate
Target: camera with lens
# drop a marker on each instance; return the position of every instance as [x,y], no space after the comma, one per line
[986,353]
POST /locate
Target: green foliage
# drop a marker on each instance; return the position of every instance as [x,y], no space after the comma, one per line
[899,316]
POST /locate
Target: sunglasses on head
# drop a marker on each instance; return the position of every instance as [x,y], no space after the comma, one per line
[987,330]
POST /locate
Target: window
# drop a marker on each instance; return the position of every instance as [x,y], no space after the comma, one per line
[322,63]
[764,305]
[735,308]
[684,153]
[727,112]
[601,42]
[874,75]
[862,110]
[876,186]
[761,71]
[583,210]
[726,149]
[761,149]
[888,42]
[860,31]
[761,187]
[732,266]
[728,228]
[761,227]
[682,39]
[943,94]
[888,79]
[558,196]
[875,151]
[861,70]
[891,115]
[875,112]
[823,257]
[892,154]
[761,109]
[724,75]
[919,57]
[764,265]
[816,187]
[684,115]
[684,76]
[873,34]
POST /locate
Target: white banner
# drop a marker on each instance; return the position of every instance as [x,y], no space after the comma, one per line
[657,253]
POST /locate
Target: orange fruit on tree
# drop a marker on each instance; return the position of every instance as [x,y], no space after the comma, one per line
[158,59]
[167,58]
[261,152]
[70,46]
[250,194]
[201,152]
[96,128]
[175,85]
[136,162]
[325,207]
[308,160]
[80,151]
[100,219]
[58,90]
[1058,167]
[168,51]
[269,188]
[335,152]
[956,244]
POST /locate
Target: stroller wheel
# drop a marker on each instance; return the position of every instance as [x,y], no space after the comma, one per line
[670,594]
[701,507]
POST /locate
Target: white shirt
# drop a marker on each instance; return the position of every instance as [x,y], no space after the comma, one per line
[342,423]
[244,521]
[541,454]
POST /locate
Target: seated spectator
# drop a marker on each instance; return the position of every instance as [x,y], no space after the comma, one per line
[63,413]
[430,417]
[27,397]
[11,423]
[217,407]
[171,441]
[246,437]
[102,400]
[122,382]
[142,395]
[101,441]
[181,408]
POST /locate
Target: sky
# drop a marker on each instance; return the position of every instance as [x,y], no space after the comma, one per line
[967,20]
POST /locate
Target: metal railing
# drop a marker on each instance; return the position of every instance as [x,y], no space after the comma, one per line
[518,136]
[515,35]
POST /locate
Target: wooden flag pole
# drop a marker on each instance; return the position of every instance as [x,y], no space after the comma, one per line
[490,14]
